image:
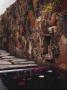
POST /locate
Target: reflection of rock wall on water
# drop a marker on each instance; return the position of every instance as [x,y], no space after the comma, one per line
[25,25]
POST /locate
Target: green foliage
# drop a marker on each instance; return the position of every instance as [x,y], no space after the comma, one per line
[55,2]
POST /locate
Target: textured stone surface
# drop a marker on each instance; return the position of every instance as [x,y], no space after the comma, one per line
[62,60]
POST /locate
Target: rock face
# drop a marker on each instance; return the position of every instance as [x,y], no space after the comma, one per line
[62,60]
[25,29]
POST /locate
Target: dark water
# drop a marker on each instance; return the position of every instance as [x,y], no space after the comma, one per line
[52,80]
[2,86]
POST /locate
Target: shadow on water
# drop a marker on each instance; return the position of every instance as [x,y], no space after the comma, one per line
[51,81]
[48,80]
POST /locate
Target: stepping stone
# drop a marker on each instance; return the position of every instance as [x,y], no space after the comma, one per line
[4,63]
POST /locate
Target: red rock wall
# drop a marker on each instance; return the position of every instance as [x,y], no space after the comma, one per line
[64,5]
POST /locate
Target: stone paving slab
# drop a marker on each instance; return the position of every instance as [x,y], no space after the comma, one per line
[7,61]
